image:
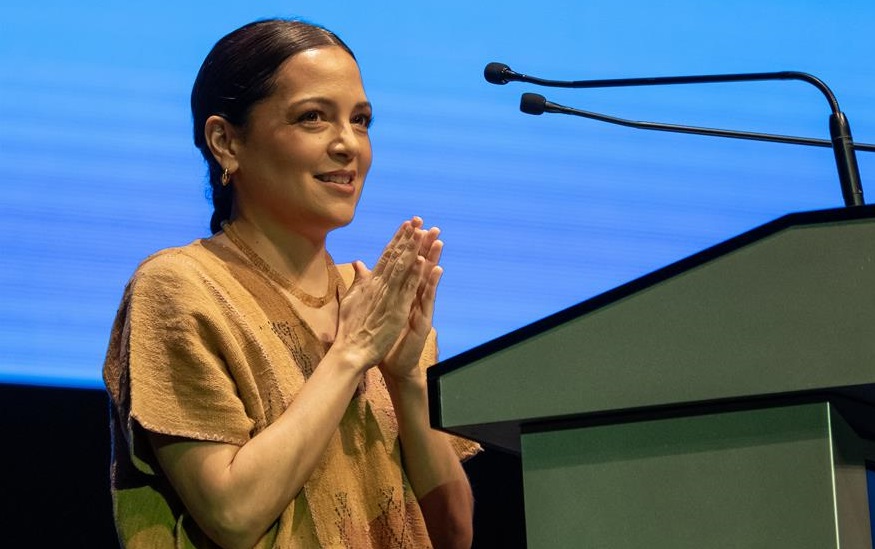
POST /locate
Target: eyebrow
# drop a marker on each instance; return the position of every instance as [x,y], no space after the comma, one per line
[328,102]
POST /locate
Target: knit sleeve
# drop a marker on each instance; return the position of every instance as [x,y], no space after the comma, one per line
[166,365]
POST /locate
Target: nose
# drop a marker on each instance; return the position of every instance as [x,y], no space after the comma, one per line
[346,143]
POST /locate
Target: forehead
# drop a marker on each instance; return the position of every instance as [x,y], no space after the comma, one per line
[319,70]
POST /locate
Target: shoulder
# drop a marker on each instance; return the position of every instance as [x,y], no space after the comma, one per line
[191,261]
[178,259]
[347,273]
[181,275]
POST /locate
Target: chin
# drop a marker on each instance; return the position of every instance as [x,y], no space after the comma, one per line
[342,220]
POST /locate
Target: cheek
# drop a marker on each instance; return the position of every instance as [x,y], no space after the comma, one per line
[302,155]
[365,154]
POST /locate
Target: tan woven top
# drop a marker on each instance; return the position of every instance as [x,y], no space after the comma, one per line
[205,347]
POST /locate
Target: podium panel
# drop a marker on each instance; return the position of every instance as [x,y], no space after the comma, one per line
[789,477]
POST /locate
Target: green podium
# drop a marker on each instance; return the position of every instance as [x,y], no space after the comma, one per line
[727,400]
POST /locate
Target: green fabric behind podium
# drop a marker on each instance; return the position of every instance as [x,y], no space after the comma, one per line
[701,402]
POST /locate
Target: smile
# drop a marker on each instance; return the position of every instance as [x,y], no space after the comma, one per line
[344,178]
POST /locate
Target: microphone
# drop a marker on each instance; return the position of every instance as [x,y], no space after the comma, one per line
[498,73]
[532,103]
[841,141]
[501,74]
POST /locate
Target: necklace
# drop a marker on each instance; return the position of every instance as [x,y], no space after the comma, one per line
[280,280]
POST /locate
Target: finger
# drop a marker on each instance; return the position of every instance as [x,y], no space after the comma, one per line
[428,239]
[417,224]
[402,261]
[429,294]
[413,284]
[361,272]
[432,257]
[404,281]
[434,252]
[403,232]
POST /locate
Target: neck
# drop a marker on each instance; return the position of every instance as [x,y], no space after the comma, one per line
[299,258]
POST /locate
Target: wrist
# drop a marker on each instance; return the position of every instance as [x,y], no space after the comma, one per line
[349,358]
[410,401]
[407,392]
[412,380]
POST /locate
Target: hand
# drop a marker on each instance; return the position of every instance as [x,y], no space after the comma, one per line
[376,308]
[402,362]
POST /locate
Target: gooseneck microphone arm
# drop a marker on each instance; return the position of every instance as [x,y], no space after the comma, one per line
[533,103]
[841,141]
[499,73]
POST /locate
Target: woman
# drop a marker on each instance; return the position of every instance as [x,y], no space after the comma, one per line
[262,395]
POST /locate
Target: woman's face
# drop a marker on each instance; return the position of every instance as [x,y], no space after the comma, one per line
[304,155]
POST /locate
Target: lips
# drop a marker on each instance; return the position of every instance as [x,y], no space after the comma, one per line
[338,178]
[339,182]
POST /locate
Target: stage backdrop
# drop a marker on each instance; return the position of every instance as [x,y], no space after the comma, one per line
[97,167]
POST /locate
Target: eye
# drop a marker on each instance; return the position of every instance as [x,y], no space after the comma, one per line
[311,117]
[364,120]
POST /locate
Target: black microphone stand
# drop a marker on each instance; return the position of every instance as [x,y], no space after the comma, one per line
[841,141]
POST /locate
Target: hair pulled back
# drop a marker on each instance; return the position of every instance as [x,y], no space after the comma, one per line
[238,73]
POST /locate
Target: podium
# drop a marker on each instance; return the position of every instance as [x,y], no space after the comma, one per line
[726,400]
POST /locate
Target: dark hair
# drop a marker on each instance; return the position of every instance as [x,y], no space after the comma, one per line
[238,73]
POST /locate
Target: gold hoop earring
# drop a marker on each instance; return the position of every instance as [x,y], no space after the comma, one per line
[226,177]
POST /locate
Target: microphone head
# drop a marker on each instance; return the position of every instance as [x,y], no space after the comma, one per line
[532,103]
[496,73]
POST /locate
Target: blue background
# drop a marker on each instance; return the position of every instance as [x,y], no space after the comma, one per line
[97,167]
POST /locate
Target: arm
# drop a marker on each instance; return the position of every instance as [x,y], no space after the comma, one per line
[431,464]
[433,468]
[235,493]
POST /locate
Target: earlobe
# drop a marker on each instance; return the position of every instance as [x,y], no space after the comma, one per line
[221,139]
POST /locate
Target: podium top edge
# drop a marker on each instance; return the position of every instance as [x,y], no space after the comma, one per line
[791,220]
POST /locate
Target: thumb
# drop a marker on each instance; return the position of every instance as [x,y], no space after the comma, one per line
[361,273]
[361,269]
